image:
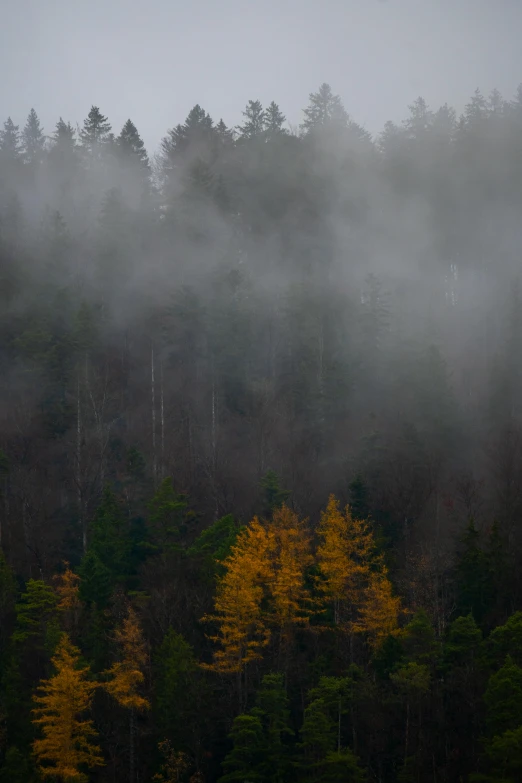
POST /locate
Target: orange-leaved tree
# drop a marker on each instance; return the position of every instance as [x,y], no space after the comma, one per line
[379,612]
[289,558]
[262,588]
[242,630]
[127,674]
[344,556]
[67,589]
[352,577]
[68,744]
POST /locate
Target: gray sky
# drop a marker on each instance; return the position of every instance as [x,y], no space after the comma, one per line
[152,60]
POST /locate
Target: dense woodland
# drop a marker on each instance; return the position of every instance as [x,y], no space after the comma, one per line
[261,448]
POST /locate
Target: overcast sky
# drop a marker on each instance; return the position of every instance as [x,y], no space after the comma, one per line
[152,60]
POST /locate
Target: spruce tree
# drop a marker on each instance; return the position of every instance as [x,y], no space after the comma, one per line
[96,131]
[132,147]
[324,109]
[33,140]
[10,150]
[254,125]
[273,122]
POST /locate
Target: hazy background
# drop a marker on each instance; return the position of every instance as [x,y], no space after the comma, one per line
[151,61]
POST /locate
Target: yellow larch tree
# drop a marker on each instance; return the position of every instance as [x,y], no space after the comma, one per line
[68,743]
[344,557]
[127,675]
[379,612]
[263,587]
[67,586]
[242,630]
[289,558]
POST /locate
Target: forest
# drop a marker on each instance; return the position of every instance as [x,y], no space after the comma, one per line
[261,448]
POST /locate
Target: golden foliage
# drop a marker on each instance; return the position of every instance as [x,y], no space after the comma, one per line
[289,558]
[379,613]
[242,631]
[67,589]
[127,674]
[344,557]
[68,739]
[353,578]
[263,587]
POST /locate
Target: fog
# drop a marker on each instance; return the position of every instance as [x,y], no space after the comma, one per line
[254,256]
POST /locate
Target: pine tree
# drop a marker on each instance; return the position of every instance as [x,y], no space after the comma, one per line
[261,751]
[273,122]
[109,536]
[224,135]
[324,110]
[177,688]
[67,746]
[10,148]
[33,140]
[63,144]
[96,131]
[191,139]
[34,611]
[132,146]
[254,124]
[167,517]
[274,495]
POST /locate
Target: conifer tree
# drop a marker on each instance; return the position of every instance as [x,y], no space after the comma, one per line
[34,611]
[325,109]
[344,558]
[68,744]
[67,587]
[274,495]
[96,131]
[127,675]
[33,140]
[10,148]
[224,135]
[132,146]
[273,122]
[242,631]
[167,517]
[379,612]
[254,125]
[109,535]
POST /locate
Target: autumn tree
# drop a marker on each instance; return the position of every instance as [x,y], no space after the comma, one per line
[290,558]
[68,743]
[127,676]
[263,588]
[242,630]
[379,612]
[67,588]
[344,554]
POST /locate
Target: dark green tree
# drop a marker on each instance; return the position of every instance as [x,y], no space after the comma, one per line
[33,140]
[273,494]
[324,109]
[96,132]
[254,125]
[273,122]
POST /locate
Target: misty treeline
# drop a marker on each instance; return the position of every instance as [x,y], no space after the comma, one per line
[197,350]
